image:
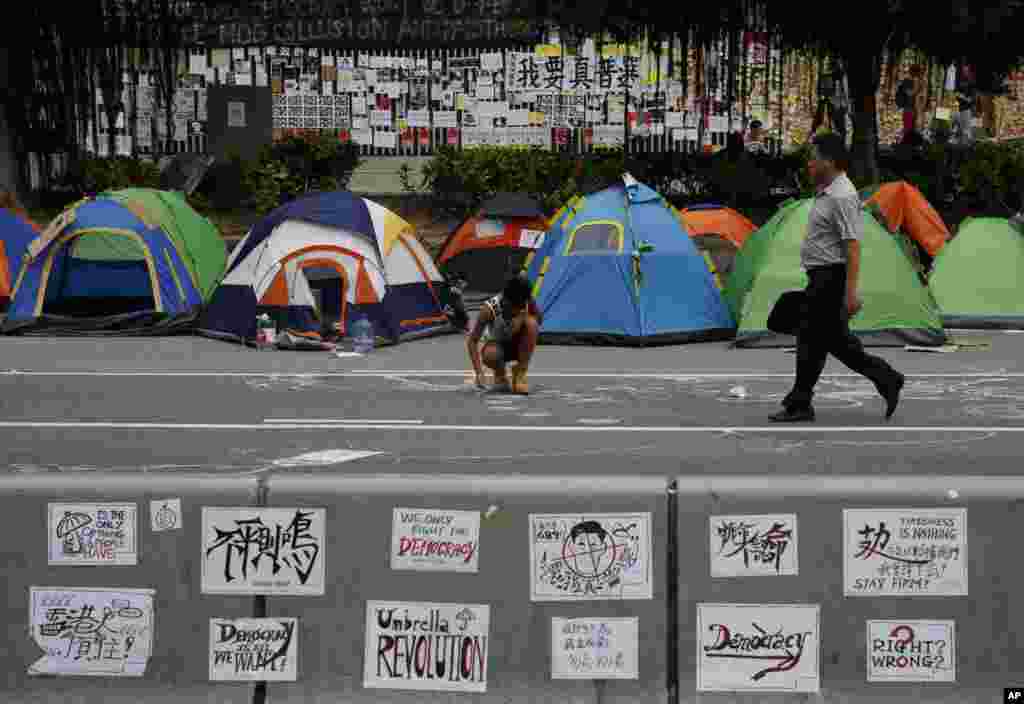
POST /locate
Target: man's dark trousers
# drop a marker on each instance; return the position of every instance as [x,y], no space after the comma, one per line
[824,329]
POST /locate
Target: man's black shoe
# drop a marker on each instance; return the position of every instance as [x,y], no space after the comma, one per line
[891,394]
[794,415]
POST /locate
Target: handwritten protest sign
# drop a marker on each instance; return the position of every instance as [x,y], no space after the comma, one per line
[579,557]
[905,552]
[426,646]
[747,546]
[263,551]
[595,648]
[911,651]
[435,540]
[92,534]
[91,632]
[758,647]
[254,650]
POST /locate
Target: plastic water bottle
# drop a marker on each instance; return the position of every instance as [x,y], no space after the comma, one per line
[362,336]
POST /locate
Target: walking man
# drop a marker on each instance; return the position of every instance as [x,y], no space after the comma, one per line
[830,254]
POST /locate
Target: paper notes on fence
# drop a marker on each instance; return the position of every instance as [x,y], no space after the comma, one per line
[758,647]
[595,648]
[749,546]
[580,557]
[911,651]
[92,632]
[435,540]
[905,552]
[92,534]
[165,514]
[254,650]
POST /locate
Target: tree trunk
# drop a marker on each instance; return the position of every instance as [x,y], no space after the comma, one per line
[863,82]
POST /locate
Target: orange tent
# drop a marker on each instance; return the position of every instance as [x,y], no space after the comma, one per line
[704,220]
[493,244]
[906,209]
[718,232]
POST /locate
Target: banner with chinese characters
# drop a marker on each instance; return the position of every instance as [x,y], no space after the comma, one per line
[263,551]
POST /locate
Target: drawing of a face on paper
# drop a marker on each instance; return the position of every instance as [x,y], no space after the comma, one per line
[585,557]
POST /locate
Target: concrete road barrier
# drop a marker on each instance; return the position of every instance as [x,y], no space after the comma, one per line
[360,520]
[989,620]
[168,561]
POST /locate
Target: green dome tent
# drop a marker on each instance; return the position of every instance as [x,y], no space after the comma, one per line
[898,308]
[197,239]
[976,278]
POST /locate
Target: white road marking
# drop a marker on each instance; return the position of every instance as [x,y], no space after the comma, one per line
[599,421]
[666,375]
[769,429]
[340,421]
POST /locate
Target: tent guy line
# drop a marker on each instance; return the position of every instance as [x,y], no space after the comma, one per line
[314,424]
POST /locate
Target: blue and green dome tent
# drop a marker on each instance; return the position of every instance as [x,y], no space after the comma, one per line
[130,261]
[617,267]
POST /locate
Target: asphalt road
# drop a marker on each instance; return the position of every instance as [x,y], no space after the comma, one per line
[196,405]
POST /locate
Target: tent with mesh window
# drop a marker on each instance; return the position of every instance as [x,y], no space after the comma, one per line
[617,267]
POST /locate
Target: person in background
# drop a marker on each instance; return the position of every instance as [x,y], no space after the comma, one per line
[757,138]
[966,97]
[831,256]
[840,102]
[508,324]
[908,99]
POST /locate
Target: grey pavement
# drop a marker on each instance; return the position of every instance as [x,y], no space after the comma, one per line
[196,405]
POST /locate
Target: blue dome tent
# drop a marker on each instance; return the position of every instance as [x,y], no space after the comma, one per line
[617,267]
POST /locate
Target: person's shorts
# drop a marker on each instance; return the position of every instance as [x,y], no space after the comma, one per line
[508,350]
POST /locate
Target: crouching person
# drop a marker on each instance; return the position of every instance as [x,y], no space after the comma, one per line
[508,324]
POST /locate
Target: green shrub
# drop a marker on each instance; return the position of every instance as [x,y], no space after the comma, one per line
[97,174]
[460,180]
[298,164]
[991,176]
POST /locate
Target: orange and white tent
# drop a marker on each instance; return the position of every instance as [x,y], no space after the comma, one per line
[329,250]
